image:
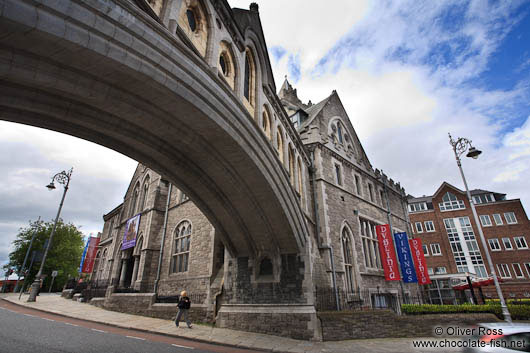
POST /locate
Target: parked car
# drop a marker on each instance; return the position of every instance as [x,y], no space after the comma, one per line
[501,337]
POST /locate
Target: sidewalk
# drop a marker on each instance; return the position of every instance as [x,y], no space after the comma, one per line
[53,303]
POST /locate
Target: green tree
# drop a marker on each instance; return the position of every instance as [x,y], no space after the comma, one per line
[64,254]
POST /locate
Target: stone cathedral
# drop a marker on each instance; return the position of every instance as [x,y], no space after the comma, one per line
[341,196]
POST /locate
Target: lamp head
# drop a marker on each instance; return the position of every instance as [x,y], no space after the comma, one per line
[51,186]
[473,153]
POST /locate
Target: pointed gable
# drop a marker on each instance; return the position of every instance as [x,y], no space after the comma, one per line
[335,129]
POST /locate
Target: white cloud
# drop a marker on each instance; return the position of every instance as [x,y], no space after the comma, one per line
[98,161]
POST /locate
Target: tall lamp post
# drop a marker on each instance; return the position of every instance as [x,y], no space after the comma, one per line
[62,178]
[460,146]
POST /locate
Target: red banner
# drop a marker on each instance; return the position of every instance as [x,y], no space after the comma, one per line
[419,261]
[388,254]
[88,264]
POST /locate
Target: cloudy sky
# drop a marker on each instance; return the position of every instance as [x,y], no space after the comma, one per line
[408,72]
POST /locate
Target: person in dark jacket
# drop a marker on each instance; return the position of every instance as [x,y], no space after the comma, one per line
[184,306]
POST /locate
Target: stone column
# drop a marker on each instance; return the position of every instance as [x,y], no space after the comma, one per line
[123,272]
[135,270]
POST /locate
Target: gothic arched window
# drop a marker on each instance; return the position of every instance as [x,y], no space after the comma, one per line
[347,259]
[249,81]
[279,143]
[266,123]
[134,201]
[145,192]
[181,247]
[290,154]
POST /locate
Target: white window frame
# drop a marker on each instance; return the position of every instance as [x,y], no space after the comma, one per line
[489,198]
[497,244]
[420,229]
[508,220]
[418,207]
[505,268]
[451,204]
[430,271]
[477,200]
[425,249]
[436,246]
[526,265]
[498,219]
[443,270]
[485,220]
[515,271]
[525,246]
[505,241]
[431,223]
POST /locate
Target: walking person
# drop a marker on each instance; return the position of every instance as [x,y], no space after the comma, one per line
[184,306]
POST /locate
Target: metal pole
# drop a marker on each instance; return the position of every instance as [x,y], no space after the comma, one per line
[163,241]
[471,289]
[36,284]
[505,312]
[27,255]
[33,254]
[389,217]
[51,285]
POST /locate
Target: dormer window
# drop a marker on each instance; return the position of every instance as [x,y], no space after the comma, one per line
[417,207]
[450,202]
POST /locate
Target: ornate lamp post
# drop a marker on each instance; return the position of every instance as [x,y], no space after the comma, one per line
[459,147]
[62,178]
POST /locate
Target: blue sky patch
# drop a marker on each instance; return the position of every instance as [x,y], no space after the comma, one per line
[277,52]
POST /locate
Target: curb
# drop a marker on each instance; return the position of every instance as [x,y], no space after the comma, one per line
[145,330]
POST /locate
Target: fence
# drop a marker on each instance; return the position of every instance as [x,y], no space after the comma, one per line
[326,299]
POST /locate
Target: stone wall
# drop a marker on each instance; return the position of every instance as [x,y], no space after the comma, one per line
[346,325]
[294,321]
[248,289]
[144,304]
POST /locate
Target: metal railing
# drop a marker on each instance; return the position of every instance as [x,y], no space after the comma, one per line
[326,300]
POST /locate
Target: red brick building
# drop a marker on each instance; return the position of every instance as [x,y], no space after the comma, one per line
[452,246]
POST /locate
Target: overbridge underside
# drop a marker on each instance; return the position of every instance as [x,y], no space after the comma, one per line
[107,73]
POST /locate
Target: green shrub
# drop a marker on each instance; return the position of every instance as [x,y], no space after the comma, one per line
[517,311]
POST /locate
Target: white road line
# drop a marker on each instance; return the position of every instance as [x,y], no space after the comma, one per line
[30,315]
[93,329]
[69,324]
[47,319]
[177,345]
[136,338]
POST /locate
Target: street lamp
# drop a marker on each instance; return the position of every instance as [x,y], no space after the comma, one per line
[459,147]
[62,178]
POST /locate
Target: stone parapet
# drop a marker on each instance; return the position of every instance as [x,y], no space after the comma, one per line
[345,325]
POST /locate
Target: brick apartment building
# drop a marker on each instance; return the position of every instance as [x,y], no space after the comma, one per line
[452,246]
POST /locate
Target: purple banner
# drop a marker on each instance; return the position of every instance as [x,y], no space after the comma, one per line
[131,231]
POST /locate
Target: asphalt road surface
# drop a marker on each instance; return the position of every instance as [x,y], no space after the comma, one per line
[23,330]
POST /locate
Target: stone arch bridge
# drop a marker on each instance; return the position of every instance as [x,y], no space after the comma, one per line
[114,73]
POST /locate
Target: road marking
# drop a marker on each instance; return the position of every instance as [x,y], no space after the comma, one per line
[30,315]
[44,318]
[93,329]
[177,345]
[136,338]
[67,323]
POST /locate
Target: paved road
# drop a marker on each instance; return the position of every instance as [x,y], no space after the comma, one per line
[25,330]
